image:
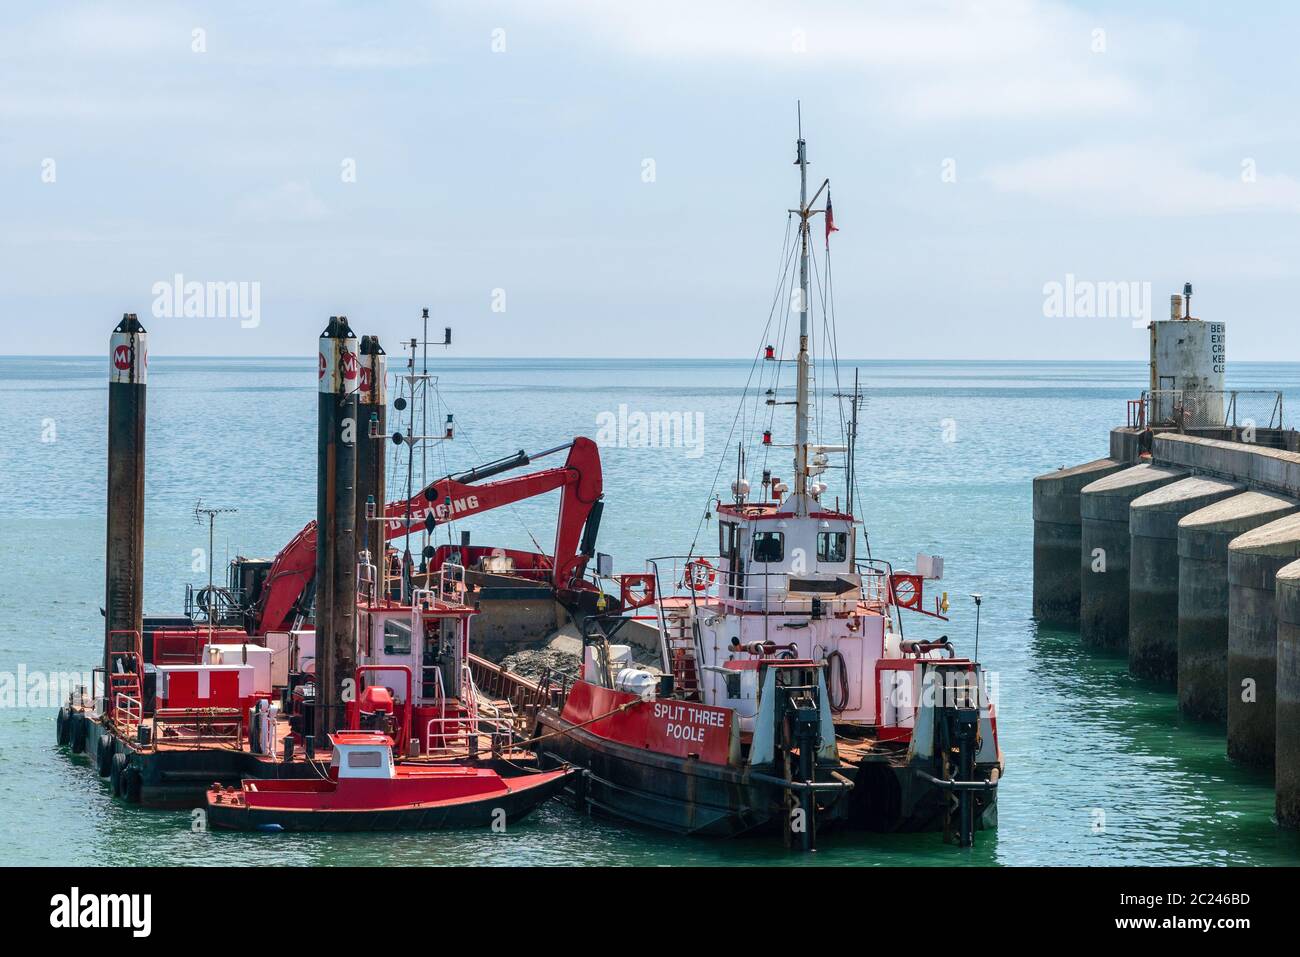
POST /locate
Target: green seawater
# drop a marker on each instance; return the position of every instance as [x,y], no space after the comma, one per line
[1100,768]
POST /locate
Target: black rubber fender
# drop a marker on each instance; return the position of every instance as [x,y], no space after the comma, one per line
[130,784]
[104,757]
[79,729]
[63,727]
[115,769]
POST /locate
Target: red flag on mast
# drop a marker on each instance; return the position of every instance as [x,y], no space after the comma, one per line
[830,218]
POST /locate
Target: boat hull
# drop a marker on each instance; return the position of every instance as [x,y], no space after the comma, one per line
[665,792]
[896,795]
[522,796]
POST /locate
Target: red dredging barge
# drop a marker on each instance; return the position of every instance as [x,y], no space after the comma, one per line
[257,680]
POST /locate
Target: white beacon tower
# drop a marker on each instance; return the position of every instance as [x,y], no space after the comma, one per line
[1188,358]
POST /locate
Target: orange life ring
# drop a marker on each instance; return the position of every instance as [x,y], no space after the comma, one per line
[905,590]
[636,591]
[700,574]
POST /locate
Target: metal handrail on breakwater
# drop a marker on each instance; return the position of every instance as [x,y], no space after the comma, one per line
[1192,408]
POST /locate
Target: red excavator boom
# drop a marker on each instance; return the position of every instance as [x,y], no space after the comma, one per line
[450,498]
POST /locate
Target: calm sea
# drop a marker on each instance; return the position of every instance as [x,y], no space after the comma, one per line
[1100,768]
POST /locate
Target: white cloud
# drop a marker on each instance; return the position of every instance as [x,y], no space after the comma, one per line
[292,202]
[372,56]
[104,106]
[100,30]
[1147,180]
[944,58]
[1009,93]
[81,32]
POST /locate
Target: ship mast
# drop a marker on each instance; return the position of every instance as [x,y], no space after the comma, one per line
[801,414]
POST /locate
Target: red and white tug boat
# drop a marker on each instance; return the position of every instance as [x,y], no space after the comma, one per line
[365,789]
[787,679]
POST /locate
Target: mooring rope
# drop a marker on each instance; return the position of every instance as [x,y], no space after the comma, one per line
[564,731]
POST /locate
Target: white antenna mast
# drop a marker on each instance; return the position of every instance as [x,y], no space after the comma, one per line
[415,392]
[801,413]
[801,390]
[200,512]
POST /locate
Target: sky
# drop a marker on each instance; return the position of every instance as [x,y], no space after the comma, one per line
[585,178]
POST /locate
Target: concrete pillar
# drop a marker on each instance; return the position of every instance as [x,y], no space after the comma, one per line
[372,450]
[1254,559]
[1153,572]
[1128,444]
[1104,551]
[1288,696]
[1057,533]
[1203,538]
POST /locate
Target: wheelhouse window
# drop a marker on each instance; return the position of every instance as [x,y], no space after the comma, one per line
[726,539]
[730,549]
[769,546]
[832,546]
[365,759]
[397,638]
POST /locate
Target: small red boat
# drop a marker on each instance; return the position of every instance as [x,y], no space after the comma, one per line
[364,789]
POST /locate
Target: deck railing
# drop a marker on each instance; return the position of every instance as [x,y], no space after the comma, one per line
[451,582]
[198,727]
[457,736]
[525,696]
[701,577]
[128,713]
[1191,409]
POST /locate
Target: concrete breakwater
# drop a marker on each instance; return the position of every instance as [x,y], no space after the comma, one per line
[1058,537]
[1104,508]
[1202,615]
[1183,552]
[1153,570]
[1254,560]
[1287,749]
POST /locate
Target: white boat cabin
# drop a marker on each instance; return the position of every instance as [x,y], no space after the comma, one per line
[784,585]
[430,637]
[361,754]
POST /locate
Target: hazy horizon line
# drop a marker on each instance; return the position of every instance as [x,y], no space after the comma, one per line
[842,361]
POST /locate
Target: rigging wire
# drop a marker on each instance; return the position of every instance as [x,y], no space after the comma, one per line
[509,505]
[397,465]
[783,267]
[830,337]
[739,409]
[446,470]
[780,346]
[750,427]
[830,298]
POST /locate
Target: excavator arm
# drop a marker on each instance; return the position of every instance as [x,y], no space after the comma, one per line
[450,498]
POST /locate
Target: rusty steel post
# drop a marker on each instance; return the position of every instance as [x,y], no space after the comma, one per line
[128,372]
[339,373]
[372,424]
